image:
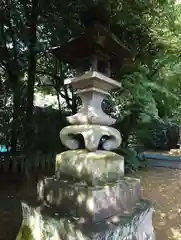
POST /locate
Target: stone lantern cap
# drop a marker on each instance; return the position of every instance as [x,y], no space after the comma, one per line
[93,80]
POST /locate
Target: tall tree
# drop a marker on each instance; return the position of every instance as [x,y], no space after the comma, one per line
[32,11]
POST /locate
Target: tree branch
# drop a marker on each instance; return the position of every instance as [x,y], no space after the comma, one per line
[51,75]
[11,29]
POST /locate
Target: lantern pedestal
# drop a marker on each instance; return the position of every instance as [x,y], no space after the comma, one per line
[112,211]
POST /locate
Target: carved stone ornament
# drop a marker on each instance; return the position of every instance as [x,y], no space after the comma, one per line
[92,87]
[92,135]
[91,112]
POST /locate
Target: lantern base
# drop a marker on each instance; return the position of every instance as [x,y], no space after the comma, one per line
[137,226]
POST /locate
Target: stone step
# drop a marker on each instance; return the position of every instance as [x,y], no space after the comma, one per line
[93,167]
[92,204]
[137,226]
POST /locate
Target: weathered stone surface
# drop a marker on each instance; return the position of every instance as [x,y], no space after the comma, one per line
[93,79]
[91,111]
[90,203]
[94,167]
[137,226]
[92,135]
[93,87]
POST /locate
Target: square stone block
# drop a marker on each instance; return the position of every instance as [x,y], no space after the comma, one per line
[90,203]
[93,167]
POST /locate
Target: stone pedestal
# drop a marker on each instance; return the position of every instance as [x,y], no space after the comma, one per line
[44,224]
[90,204]
[93,167]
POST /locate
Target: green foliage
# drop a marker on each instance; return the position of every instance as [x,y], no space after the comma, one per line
[158,134]
[133,159]
[5,117]
[47,138]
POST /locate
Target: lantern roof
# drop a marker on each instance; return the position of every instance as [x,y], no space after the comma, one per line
[95,40]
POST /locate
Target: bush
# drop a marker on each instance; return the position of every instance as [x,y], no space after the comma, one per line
[48,124]
[158,135]
[133,159]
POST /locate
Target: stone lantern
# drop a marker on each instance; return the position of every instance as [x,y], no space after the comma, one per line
[92,55]
[89,189]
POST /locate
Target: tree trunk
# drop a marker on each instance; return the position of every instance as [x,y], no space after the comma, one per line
[74,103]
[58,99]
[180,136]
[16,114]
[31,73]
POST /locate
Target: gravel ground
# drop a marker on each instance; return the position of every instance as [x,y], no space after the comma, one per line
[163,187]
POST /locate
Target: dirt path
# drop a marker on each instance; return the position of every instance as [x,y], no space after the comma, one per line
[163,187]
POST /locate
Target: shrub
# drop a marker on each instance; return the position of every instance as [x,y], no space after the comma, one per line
[133,159]
[158,134]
